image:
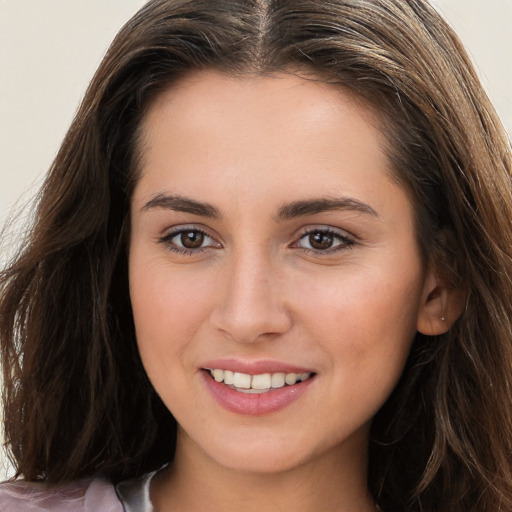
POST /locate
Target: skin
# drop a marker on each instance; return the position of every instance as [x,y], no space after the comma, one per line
[256,289]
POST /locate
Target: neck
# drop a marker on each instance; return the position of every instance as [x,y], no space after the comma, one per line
[331,483]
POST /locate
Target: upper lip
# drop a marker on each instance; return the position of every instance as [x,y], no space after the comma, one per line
[254,367]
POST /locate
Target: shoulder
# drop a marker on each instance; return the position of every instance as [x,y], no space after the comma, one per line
[88,495]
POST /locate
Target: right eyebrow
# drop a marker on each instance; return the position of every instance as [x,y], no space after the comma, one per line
[315,206]
[182,204]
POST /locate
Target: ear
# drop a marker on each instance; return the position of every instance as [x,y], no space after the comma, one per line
[440,307]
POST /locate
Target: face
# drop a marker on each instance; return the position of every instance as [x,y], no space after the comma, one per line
[275,277]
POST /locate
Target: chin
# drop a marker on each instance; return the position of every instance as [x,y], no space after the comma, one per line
[255,452]
[262,452]
[263,462]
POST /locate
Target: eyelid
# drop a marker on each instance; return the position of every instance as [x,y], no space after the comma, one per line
[170,233]
[179,228]
[348,240]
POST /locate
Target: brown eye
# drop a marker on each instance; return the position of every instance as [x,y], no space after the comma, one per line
[192,239]
[188,241]
[324,241]
[321,241]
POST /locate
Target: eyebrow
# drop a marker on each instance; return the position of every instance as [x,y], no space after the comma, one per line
[287,211]
[182,204]
[315,206]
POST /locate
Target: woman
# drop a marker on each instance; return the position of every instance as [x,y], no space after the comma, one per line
[270,268]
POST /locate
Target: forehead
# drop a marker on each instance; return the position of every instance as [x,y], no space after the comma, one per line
[255,121]
[209,91]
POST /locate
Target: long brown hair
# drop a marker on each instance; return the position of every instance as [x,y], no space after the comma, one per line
[76,398]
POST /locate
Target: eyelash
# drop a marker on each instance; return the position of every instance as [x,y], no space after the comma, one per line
[345,241]
[166,241]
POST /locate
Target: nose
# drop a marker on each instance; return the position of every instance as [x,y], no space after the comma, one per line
[250,305]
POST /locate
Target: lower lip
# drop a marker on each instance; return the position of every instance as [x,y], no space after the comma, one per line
[255,404]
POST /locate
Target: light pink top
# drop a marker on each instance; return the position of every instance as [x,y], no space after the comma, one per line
[89,495]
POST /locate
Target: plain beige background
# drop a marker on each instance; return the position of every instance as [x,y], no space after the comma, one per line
[49,50]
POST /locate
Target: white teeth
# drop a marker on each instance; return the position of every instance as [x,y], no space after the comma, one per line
[277,380]
[241,380]
[257,383]
[228,377]
[262,381]
[218,375]
[290,379]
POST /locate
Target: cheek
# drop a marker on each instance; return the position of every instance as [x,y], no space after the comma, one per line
[168,310]
[365,320]
[365,301]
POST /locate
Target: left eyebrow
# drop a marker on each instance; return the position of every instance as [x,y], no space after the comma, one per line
[315,206]
[182,204]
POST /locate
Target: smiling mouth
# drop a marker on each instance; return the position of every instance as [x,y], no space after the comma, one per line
[260,383]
